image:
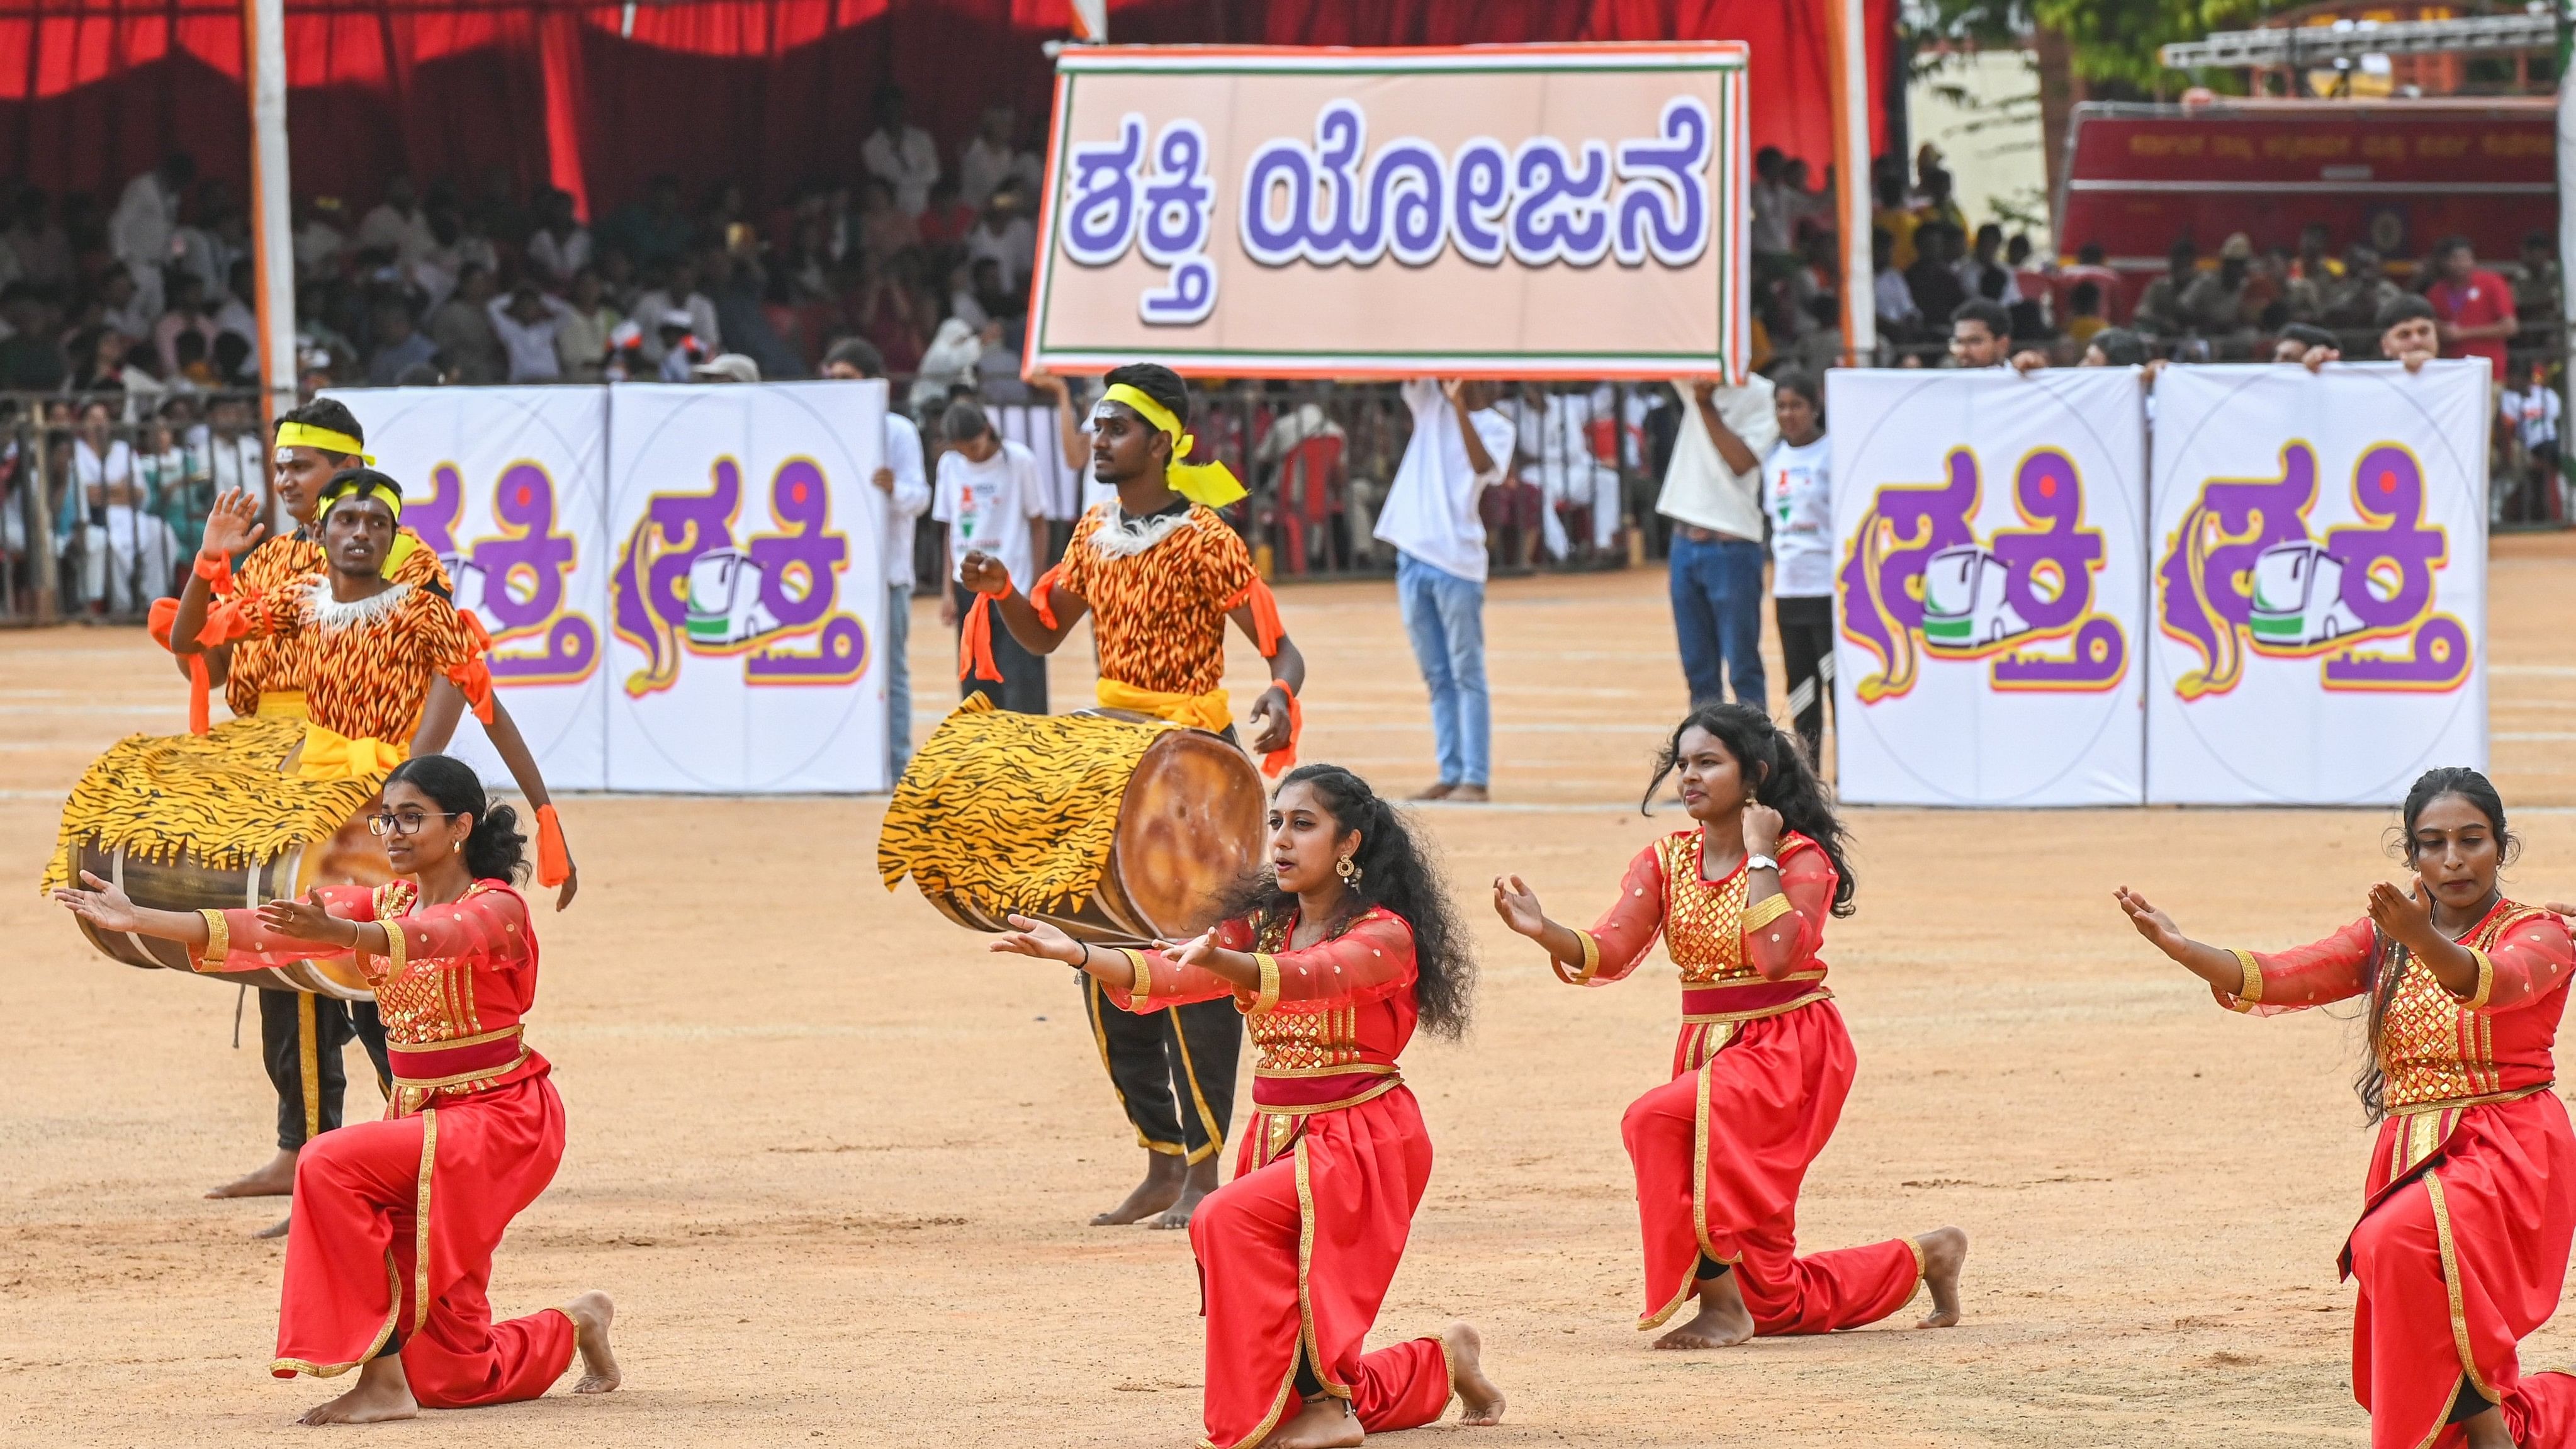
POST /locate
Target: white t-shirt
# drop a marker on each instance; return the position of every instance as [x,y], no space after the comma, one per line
[1430,509]
[2533,412]
[1699,489]
[903,507]
[1799,494]
[987,506]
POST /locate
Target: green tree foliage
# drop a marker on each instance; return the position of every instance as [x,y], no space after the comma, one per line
[2114,41]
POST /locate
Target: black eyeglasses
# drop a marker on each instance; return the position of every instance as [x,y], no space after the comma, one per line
[406,822]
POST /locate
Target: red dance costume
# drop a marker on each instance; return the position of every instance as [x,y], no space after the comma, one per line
[1759,1077]
[390,1249]
[2470,1200]
[1295,1254]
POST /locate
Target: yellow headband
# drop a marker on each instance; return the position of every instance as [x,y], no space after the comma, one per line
[382,490]
[292,434]
[1210,483]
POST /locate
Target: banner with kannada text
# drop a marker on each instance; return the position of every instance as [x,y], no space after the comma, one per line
[1523,211]
[1990,585]
[2320,582]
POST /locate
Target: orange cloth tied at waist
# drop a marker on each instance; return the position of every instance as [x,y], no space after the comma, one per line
[331,755]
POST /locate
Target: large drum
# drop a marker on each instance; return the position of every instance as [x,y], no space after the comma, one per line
[1118,829]
[197,822]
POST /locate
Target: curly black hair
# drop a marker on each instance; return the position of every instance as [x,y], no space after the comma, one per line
[1776,763]
[1397,871]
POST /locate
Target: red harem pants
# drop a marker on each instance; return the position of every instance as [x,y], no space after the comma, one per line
[392,1238]
[1720,1152]
[2457,1262]
[1296,1254]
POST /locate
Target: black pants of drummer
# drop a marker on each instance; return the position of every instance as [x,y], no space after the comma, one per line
[293,1023]
[1807,652]
[1024,675]
[1173,1069]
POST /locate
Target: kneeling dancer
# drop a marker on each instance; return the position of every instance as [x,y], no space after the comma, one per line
[396,1221]
[1763,1062]
[1333,960]
[2466,1213]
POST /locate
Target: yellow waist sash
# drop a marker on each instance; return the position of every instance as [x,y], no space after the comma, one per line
[330,755]
[287,702]
[1211,711]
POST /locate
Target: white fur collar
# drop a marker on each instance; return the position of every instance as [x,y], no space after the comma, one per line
[327,612]
[1120,536]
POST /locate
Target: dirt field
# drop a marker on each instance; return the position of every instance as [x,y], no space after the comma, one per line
[834,1162]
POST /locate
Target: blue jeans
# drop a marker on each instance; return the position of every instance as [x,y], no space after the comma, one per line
[898,636]
[1445,616]
[1717,612]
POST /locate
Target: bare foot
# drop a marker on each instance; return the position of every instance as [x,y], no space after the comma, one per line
[1480,1402]
[1164,1178]
[381,1395]
[2487,1431]
[1722,1322]
[1470,795]
[1945,1250]
[1201,1181]
[1441,791]
[1325,1423]
[277,1229]
[274,1178]
[591,1313]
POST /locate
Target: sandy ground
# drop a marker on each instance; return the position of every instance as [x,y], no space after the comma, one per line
[834,1161]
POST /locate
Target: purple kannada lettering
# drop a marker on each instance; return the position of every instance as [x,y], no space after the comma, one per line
[529,555]
[1882,611]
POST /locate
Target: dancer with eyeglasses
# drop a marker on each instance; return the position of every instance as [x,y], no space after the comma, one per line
[375,664]
[390,1252]
[1159,573]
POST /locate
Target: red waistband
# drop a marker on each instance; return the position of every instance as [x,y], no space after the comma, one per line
[489,1054]
[1311,1092]
[1753,997]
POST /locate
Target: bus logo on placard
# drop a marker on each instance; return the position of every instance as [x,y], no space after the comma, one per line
[515,581]
[2242,575]
[682,586]
[1918,584]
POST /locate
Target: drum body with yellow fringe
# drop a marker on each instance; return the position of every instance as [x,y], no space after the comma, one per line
[197,822]
[1120,831]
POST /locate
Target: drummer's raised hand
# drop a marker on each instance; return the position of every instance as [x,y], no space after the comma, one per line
[233,525]
[102,905]
[1037,938]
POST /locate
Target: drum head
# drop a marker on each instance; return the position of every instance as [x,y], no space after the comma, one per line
[352,857]
[1189,828]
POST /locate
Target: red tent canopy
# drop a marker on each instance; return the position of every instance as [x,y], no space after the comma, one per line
[764,93]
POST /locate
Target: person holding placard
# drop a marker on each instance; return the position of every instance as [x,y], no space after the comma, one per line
[1461,446]
[990,496]
[2467,1210]
[1763,1063]
[1160,574]
[1336,956]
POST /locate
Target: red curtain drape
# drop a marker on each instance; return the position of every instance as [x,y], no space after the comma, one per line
[762,93]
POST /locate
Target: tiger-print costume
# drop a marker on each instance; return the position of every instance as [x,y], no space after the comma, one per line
[1159,616]
[284,662]
[371,663]
[1009,811]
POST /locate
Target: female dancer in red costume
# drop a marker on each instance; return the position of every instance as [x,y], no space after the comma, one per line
[1333,960]
[395,1223]
[2469,1202]
[1763,1063]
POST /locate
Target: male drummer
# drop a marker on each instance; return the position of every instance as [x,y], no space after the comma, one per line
[1160,573]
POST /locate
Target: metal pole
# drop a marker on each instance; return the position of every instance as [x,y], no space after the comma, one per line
[1847,54]
[272,225]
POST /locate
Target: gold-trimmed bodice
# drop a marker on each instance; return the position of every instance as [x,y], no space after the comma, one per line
[2433,1047]
[422,1000]
[1703,920]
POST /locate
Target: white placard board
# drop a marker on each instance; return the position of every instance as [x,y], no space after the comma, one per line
[1989,582]
[509,485]
[747,588]
[2320,582]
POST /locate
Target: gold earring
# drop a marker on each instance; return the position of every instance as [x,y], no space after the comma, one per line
[1348,868]
[455,847]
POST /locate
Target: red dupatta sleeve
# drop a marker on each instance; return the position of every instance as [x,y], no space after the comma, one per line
[236,941]
[1620,939]
[1784,932]
[2334,969]
[1371,960]
[2530,960]
[490,923]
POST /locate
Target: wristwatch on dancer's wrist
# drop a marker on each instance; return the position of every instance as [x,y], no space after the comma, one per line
[1759,862]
